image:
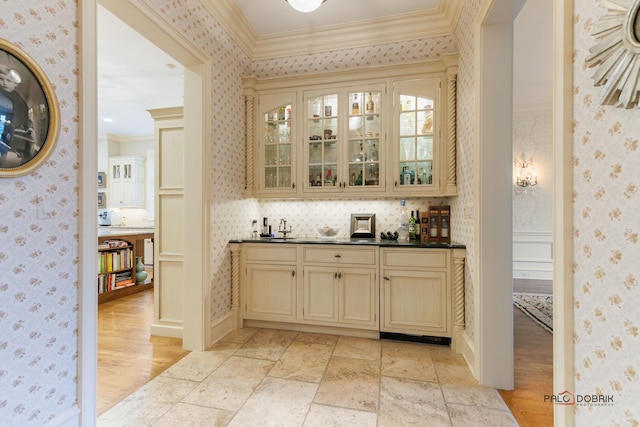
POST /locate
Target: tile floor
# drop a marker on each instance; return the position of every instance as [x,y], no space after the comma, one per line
[268,377]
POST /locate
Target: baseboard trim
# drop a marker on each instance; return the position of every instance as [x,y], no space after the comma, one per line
[299,327]
[468,354]
[222,327]
[69,418]
[166,331]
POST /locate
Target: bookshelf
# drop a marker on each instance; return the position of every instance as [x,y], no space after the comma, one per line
[116,265]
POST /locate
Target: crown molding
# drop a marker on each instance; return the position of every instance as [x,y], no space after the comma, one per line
[234,23]
[398,28]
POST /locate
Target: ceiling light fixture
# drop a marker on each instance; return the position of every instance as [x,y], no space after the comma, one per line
[305,5]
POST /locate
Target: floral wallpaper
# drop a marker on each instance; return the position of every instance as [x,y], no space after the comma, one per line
[349,59]
[39,255]
[465,230]
[606,227]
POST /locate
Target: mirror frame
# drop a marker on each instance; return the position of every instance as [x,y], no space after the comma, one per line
[33,73]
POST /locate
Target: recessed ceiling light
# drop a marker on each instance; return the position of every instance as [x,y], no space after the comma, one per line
[171,66]
[107,120]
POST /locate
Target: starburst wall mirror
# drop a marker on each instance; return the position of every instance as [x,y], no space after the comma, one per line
[617,53]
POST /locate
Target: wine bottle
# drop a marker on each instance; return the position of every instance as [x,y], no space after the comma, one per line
[444,230]
[355,107]
[403,225]
[418,226]
[412,227]
[370,108]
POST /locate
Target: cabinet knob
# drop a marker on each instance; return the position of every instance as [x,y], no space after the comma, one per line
[335,275]
[293,185]
[340,275]
[385,277]
[337,256]
[293,273]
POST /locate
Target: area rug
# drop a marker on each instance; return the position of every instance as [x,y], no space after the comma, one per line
[538,307]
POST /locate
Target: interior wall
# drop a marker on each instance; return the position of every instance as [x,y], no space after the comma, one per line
[606,226]
[39,256]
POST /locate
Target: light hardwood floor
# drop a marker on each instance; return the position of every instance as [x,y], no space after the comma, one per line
[128,358]
[533,364]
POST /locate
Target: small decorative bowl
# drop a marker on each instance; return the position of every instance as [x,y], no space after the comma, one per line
[328,233]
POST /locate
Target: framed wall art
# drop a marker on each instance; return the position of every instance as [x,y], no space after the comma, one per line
[102,180]
[29,113]
[102,200]
[363,225]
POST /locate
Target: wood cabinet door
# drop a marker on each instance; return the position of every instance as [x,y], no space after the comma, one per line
[320,293]
[415,302]
[358,297]
[270,292]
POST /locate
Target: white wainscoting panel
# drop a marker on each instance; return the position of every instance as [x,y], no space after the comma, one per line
[533,255]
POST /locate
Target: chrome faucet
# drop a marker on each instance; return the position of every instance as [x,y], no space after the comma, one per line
[282,228]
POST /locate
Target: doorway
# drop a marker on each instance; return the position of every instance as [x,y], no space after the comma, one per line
[196,108]
[495,17]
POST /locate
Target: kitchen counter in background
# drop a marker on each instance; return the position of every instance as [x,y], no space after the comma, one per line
[109,231]
[354,241]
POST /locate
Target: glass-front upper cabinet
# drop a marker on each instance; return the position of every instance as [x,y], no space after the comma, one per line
[277,170]
[322,129]
[343,141]
[415,136]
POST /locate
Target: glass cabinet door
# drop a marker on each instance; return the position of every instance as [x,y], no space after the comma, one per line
[322,136]
[344,134]
[415,134]
[364,140]
[277,157]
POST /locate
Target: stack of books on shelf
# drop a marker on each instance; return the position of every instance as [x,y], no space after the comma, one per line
[115,263]
[115,260]
[113,281]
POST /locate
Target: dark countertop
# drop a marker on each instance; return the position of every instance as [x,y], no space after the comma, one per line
[354,241]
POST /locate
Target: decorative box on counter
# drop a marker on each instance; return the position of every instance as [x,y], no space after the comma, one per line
[436,225]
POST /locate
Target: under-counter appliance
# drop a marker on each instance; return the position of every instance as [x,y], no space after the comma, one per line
[104,218]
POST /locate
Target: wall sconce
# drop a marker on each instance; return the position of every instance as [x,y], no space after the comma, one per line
[526,176]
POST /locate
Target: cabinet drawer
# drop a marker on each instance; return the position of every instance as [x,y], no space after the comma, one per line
[270,252]
[415,258]
[340,255]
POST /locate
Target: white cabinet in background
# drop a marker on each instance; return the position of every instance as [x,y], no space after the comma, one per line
[126,182]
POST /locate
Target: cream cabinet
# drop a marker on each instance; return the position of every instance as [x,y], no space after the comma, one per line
[416,158]
[388,131]
[344,134]
[270,292]
[276,151]
[354,289]
[416,291]
[270,284]
[340,286]
[126,182]
[340,297]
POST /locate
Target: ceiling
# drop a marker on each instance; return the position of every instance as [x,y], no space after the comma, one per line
[283,19]
[129,83]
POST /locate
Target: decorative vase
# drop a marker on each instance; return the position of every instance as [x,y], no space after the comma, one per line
[140,273]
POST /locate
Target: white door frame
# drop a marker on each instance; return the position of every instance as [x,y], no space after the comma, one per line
[196,335]
[563,349]
[493,289]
